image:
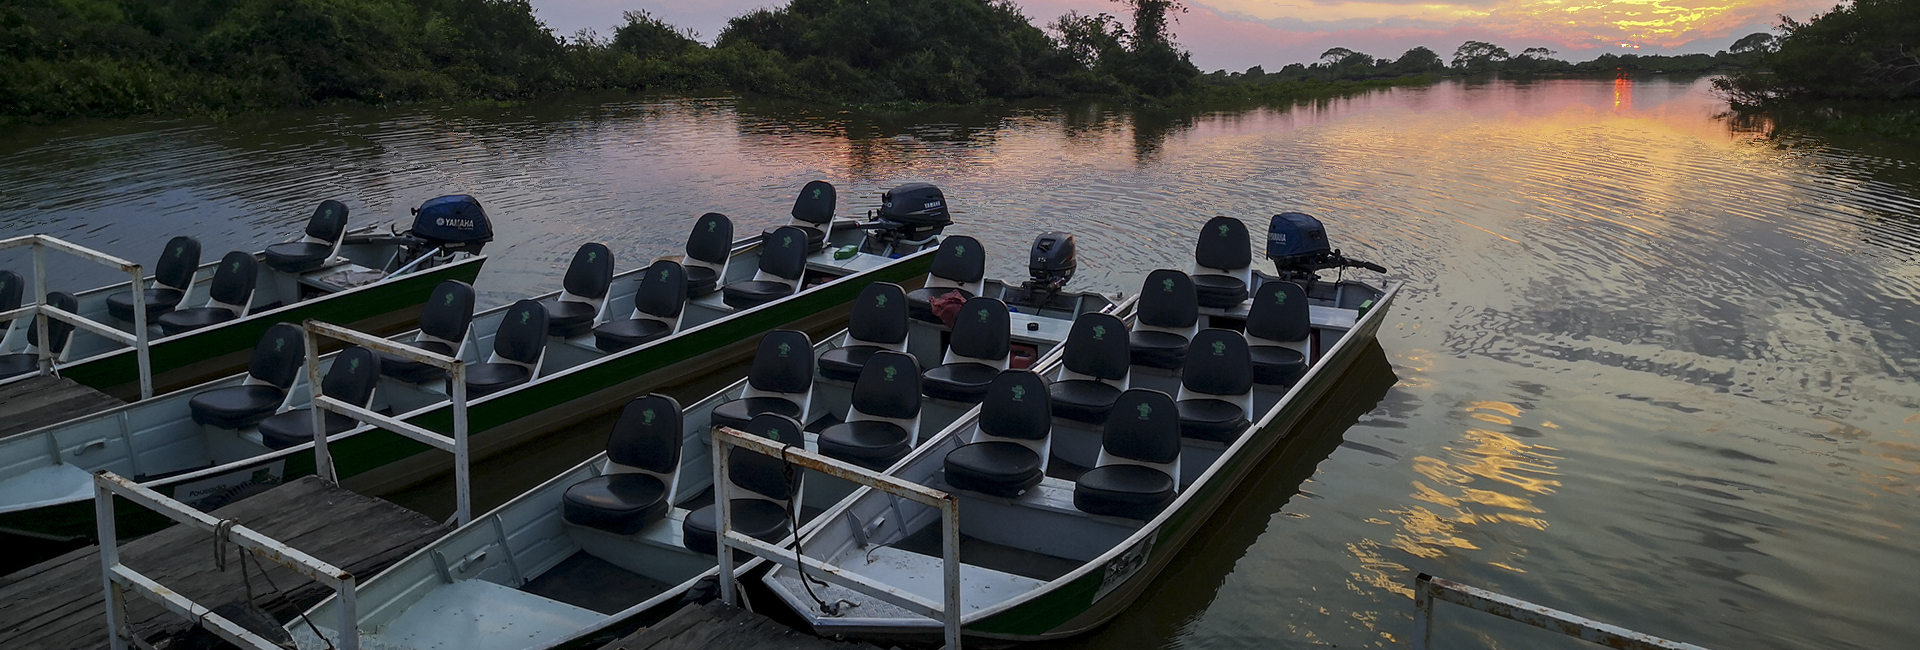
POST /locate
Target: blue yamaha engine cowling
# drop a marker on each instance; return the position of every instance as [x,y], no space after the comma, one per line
[1295,238]
[454,223]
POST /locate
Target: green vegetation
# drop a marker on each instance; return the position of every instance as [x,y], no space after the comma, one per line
[1854,70]
[1479,58]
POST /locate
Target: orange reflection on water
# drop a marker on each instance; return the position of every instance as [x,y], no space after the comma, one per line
[1505,462]
[1622,93]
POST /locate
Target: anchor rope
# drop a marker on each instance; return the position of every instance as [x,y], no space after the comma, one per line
[793,518]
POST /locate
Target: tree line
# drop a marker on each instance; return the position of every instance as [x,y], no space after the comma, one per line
[1480,57]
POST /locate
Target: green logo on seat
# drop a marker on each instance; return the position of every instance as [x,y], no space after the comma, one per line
[889,371]
[663,274]
[1099,332]
[179,251]
[959,250]
[353,366]
[1223,230]
[592,255]
[1219,348]
[786,242]
[236,267]
[1166,285]
[279,344]
[646,416]
[524,315]
[784,349]
[1279,297]
[880,300]
[712,225]
[1019,392]
[449,301]
[773,434]
[983,315]
[816,192]
[1146,410]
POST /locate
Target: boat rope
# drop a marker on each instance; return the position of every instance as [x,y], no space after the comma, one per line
[837,608]
[222,534]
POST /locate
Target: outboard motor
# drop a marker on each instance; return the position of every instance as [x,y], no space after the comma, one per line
[910,216]
[446,225]
[1297,244]
[1052,262]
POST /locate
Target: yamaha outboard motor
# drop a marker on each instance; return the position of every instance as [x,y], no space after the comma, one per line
[910,216]
[1297,244]
[1049,267]
[444,226]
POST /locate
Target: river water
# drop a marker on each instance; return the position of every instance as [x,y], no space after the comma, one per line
[1651,367]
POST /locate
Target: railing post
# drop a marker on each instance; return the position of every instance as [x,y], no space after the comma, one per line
[461,476]
[45,360]
[723,503]
[1422,612]
[322,456]
[950,565]
[140,332]
[109,557]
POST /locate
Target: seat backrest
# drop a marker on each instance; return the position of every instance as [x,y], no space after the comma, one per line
[1168,299]
[591,272]
[815,203]
[784,254]
[783,363]
[355,371]
[1144,427]
[888,387]
[522,335]
[1218,363]
[1017,406]
[961,261]
[1224,245]
[663,291]
[980,331]
[1279,313]
[879,315]
[59,331]
[329,221]
[12,292]
[449,313]
[647,435]
[178,262]
[1097,347]
[765,475]
[279,355]
[233,282]
[712,238]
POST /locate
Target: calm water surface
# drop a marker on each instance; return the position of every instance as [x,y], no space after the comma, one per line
[1651,367]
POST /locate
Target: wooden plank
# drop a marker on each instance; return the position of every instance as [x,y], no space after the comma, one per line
[717,625]
[58,604]
[39,401]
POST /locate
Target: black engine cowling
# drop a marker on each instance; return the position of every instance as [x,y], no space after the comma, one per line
[454,223]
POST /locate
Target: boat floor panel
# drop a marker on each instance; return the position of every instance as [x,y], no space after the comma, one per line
[583,580]
[914,573]
[982,553]
[480,615]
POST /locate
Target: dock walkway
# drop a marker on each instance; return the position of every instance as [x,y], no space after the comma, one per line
[57,604]
[40,401]
[717,626]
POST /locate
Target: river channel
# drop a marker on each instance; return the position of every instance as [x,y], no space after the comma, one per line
[1652,366]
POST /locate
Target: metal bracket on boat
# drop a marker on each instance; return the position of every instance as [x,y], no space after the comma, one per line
[948,611]
[118,578]
[137,340]
[1428,589]
[457,378]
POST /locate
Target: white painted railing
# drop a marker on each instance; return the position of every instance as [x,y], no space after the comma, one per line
[41,311]
[1428,589]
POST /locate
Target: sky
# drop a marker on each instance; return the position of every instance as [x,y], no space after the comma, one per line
[1237,34]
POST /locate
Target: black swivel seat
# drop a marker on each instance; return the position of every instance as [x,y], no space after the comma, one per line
[58,331]
[658,302]
[1216,386]
[1139,468]
[229,296]
[276,361]
[813,213]
[519,345]
[783,263]
[780,381]
[1008,454]
[1279,325]
[643,460]
[1168,314]
[960,265]
[762,512]
[1222,263]
[981,341]
[171,278]
[1094,369]
[709,247]
[443,330]
[355,371]
[884,422]
[583,293]
[325,231]
[878,322]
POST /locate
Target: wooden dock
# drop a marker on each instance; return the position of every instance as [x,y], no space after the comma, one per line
[717,626]
[40,401]
[57,604]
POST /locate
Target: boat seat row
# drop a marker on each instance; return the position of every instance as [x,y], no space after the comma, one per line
[230,293]
[981,343]
[59,332]
[260,400]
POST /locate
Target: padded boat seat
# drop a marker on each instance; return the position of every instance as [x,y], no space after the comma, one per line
[1082,400]
[415,372]
[1219,291]
[567,319]
[297,257]
[488,378]
[1211,419]
[816,238]
[701,281]
[738,412]
[1277,366]
[960,382]
[1123,490]
[998,467]
[236,407]
[920,302]
[1157,349]
[175,322]
[872,444]
[159,301]
[757,518]
[621,504]
[753,293]
[12,365]
[623,334]
[283,430]
[844,363]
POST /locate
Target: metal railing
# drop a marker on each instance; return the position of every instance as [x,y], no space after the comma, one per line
[1428,589]
[40,310]
[948,611]
[117,577]
[457,374]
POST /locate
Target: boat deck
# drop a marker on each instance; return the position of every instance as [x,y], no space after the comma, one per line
[36,402]
[716,625]
[57,604]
